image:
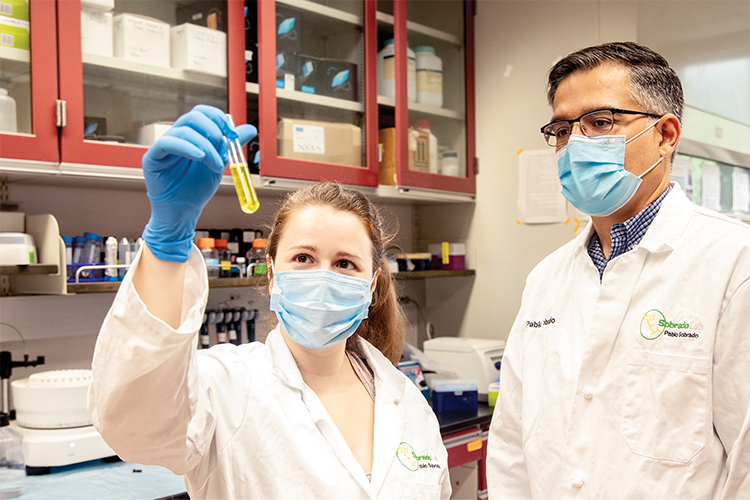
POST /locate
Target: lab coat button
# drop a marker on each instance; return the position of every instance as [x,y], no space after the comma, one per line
[578,483]
[587,393]
[396,401]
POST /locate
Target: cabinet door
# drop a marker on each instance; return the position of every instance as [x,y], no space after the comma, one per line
[127,73]
[433,106]
[318,110]
[28,74]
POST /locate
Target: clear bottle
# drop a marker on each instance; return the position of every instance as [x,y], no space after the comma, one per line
[206,246]
[256,257]
[12,464]
[224,256]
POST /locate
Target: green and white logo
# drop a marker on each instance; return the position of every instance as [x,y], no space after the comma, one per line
[652,324]
[407,457]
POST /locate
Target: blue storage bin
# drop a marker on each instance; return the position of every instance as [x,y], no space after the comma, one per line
[454,395]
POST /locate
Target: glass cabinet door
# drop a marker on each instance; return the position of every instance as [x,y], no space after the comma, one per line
[431,45]
[133,67]
[28,84]
[318,118]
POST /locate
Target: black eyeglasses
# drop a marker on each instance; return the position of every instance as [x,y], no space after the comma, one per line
[593,123]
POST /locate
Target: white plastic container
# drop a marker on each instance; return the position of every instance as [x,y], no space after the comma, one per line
[424,125]
[387,72]
[7,112]
[429,77]
[450,165]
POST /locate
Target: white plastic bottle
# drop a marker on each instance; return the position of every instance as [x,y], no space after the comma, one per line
[387,72]
[424,125]
[429,77]
[8,121]
[450,164]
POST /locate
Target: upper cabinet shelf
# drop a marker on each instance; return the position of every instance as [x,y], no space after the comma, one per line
[316,11]
[423,35]
[113,69]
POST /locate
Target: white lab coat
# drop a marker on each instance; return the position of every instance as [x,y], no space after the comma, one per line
[239,422]
[589,407]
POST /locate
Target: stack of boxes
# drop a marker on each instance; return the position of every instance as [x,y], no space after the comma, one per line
[194,45]
[14,24]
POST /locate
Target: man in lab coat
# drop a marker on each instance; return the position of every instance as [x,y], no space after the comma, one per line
[627,371]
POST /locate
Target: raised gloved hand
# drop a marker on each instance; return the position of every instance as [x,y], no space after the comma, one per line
[183,169]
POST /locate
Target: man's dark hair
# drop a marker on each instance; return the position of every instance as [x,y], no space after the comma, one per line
[654,85]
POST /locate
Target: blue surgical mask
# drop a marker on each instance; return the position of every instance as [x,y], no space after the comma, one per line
[319,308]
[593,176]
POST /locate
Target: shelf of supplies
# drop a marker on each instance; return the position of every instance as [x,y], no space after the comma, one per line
[323,10]
[438,273]
[320,100]
[27,270]
[423,109]
[420,34]
[17,55]
[114,69]
[112,286]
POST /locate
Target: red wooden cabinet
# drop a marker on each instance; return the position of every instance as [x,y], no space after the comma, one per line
[115,103]
[317,104]
[28,74]
[448,31]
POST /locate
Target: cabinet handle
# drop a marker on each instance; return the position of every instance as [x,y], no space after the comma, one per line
[62,114]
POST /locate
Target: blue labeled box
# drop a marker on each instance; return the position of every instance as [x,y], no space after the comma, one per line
[454,395]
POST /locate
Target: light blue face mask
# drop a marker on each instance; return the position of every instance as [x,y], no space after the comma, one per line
[319,308]
[593,176]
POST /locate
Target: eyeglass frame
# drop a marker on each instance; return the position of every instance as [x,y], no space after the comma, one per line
[577,120]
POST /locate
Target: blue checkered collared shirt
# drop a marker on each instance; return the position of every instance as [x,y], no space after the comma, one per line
[624,235]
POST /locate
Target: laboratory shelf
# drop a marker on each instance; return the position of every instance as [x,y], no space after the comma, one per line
[420,34]
[113,69]
[30,269]
[439,273]
[14,63]
[112,286]
[320,100]
[316,14]
[423,109]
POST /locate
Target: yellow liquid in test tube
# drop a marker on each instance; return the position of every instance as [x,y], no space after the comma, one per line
[244,186]
[249,202]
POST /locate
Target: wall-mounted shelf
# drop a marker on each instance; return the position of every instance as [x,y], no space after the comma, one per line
[423,109]
[30,269]
[420,34]
[111,286]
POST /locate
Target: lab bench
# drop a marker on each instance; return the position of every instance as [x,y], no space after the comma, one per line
[101,480]
[465,435]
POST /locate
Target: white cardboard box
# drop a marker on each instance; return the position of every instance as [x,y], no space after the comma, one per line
[197,48]
[96,33]
[100,5]
[141,39]
[148,134]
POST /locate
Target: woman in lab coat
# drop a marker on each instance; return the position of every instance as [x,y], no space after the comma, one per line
[318,411]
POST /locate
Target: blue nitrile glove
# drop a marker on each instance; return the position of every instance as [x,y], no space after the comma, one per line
[183,169]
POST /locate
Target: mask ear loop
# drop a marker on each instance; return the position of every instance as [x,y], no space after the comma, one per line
[651,167]
[636,136]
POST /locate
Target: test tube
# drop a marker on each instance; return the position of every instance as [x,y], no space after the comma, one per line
[241,174]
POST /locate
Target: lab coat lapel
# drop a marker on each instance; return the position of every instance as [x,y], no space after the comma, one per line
[389,421]
[286,369]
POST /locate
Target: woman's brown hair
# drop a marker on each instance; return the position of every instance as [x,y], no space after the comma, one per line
[384,326]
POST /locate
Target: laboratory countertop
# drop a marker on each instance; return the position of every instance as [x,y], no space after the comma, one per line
[455,421]
[99,480]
